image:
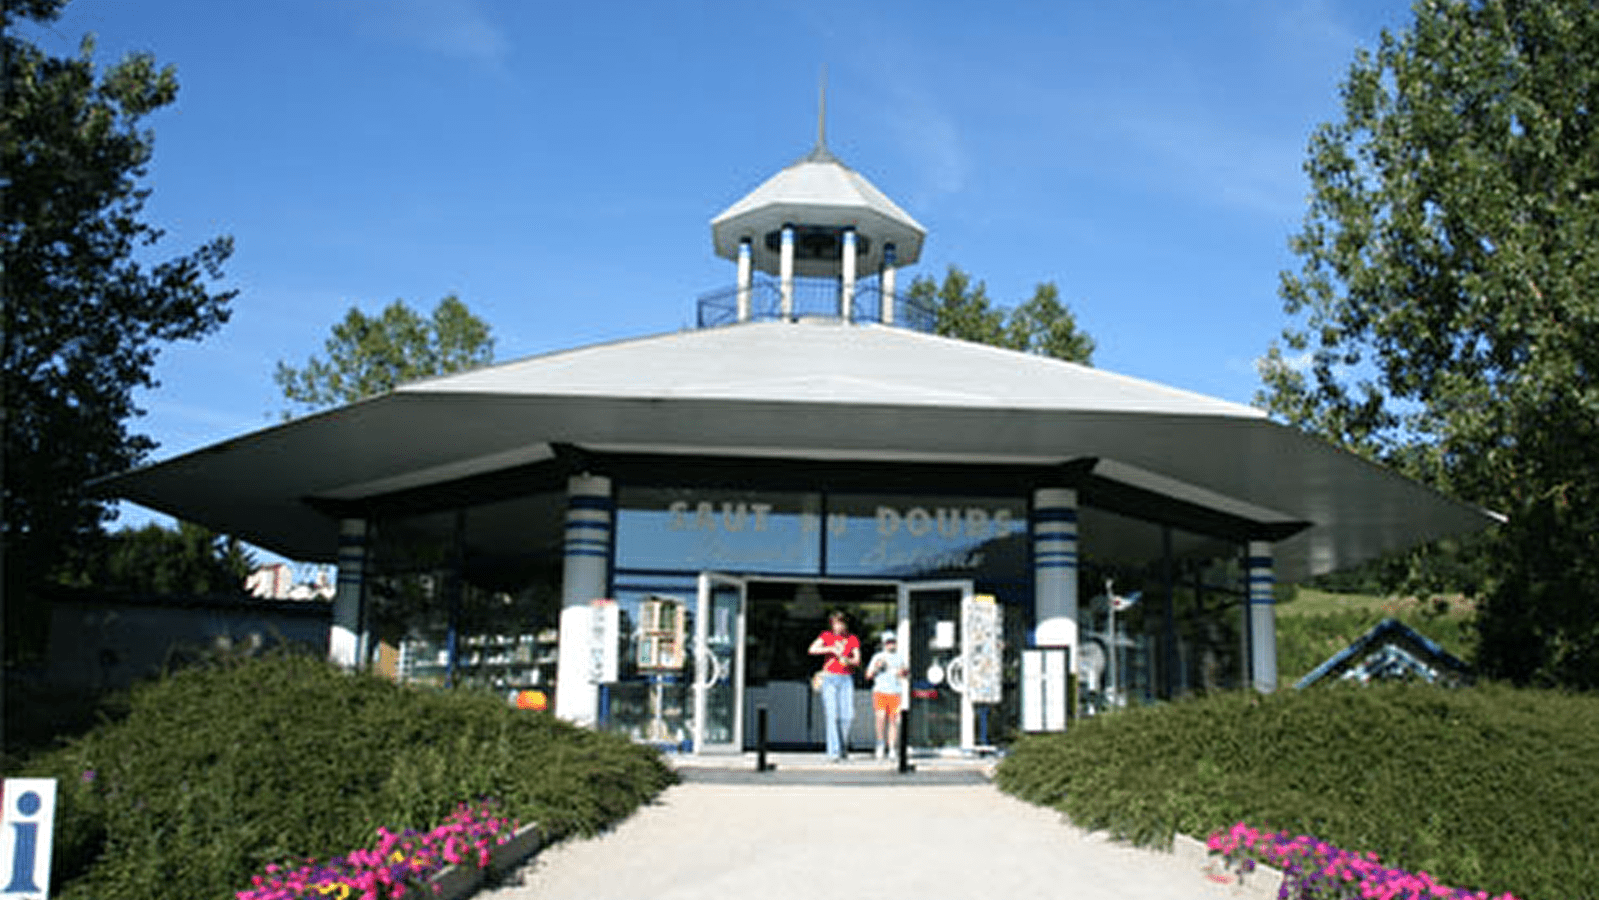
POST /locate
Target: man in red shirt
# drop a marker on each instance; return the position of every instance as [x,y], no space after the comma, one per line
[843,652]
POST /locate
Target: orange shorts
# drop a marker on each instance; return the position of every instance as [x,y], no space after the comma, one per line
[888,703]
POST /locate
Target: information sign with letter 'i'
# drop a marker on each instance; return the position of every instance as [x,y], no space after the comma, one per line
[26,830]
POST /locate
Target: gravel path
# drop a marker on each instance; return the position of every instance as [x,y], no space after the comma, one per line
[882,842]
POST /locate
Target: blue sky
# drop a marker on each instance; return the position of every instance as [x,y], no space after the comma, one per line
[556,165]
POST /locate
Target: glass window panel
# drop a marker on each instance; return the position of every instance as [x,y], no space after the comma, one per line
[734,531]
[920,537]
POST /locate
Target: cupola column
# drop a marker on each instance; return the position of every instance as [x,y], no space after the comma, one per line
[745,274]
[785,271]
[885,281]
[846,287]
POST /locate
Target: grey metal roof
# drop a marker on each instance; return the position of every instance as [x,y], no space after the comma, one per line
[807,391]
[818,188]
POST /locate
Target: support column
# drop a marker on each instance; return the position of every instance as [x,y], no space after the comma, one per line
[846,293]
[785,272]
[1055,568]
[349,594]
[745,275]
[1262,618]
[885,281]
[584,577]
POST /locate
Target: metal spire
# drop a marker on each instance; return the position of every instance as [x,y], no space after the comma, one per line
[821,110]
[820,153]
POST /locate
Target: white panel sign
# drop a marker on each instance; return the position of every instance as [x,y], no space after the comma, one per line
[1032,690]
[605,636]
[1055,696]
[981,634]
[26,834]
[1044,690]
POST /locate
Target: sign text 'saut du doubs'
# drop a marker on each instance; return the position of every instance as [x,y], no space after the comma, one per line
[946,522]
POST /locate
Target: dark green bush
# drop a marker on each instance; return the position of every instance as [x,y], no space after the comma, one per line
[218,771]
[1489,788]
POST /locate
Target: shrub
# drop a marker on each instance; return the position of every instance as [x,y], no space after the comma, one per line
[1491,788]
[217,772]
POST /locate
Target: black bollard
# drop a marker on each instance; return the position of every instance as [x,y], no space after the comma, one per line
[905,766]
[760,741]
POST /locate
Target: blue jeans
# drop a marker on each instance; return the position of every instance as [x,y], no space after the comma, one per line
[838,712]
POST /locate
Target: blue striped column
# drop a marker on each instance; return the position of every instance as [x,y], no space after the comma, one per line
[589,510]
[1262,618]
[344,637]
[1055,568]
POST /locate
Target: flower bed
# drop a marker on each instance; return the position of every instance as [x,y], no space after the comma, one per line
[1316,870]
[398,862]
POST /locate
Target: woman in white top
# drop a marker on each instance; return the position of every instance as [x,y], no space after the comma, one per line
[887,672]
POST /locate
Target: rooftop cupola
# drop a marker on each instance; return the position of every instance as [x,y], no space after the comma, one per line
[817,219]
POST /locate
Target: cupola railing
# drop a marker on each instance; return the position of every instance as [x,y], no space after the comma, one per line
[815,298]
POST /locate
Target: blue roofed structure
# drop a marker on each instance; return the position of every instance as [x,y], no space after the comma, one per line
[1391,650]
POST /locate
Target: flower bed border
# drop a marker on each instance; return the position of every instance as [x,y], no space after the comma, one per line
[457,881]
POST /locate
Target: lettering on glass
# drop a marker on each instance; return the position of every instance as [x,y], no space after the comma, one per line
[890,538]
[730,516]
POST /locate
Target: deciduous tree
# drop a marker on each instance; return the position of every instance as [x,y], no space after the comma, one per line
[367,355]
[1042,325]
[86,307]
[189,559]
[1446,312]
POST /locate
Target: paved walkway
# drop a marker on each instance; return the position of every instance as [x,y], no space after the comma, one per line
[877,838]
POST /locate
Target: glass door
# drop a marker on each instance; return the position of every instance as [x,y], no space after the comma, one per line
[930,629]
[719,664]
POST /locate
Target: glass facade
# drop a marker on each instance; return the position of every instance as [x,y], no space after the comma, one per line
[890,536]
[1160,623]
[671,529]
[803,554]
[472,596]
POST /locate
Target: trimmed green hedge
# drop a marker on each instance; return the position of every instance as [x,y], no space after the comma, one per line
[1489,788]
[216,772]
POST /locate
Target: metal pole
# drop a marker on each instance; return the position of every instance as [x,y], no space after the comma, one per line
[1170,680]
[1111,684]
[905,766]
[760,741]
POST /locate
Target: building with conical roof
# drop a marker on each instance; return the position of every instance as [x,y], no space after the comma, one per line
[654,531]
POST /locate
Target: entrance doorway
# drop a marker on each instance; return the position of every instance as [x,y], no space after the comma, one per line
[752,637]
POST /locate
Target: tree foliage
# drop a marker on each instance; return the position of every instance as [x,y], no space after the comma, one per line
[1447,306]
[187,560]
[368,355]
[85,309]
[1042,325]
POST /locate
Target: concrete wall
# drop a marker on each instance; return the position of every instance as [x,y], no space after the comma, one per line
[102,644]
